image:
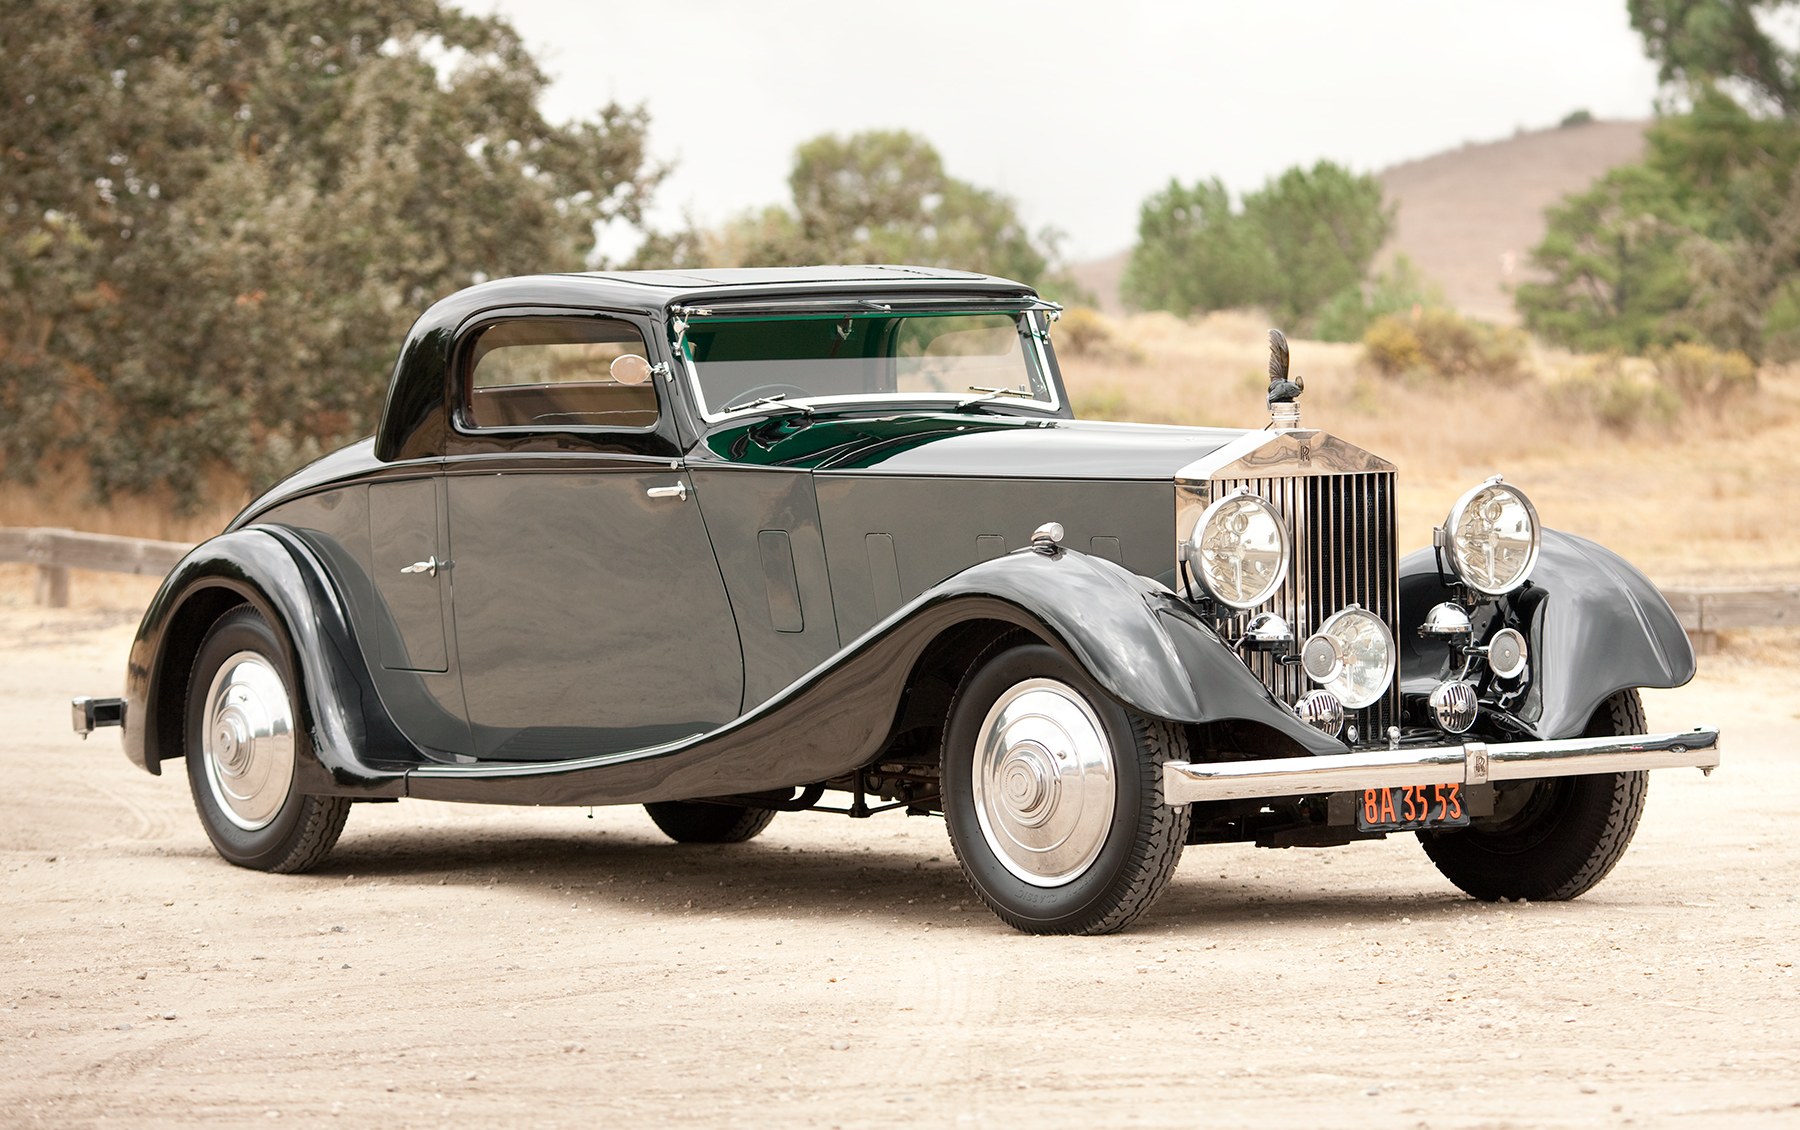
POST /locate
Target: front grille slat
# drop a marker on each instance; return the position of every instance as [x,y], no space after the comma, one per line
[1344,553]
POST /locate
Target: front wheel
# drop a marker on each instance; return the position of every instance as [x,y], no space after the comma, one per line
[243,747]
[1552,839]
[1053,795]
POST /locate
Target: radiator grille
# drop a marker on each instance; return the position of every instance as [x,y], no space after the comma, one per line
[1343,528]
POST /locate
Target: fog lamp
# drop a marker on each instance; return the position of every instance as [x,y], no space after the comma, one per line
[1506,653]
[1454,706]
[1364,649]
[1322,711]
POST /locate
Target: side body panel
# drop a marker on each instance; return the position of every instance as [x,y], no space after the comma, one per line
[764,527]
[590,615]
[1594,625]
[360,534]
[1139,641]
[889,538]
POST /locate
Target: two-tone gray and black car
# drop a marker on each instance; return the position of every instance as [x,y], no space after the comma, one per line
[732,543]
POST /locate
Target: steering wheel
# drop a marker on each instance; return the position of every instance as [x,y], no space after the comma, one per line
[750,394]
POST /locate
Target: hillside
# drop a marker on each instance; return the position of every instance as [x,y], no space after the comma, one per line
[1469,216]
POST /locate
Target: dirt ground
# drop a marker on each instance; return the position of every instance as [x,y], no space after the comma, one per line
[472,966]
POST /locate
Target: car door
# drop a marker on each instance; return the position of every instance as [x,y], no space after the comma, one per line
[589,612]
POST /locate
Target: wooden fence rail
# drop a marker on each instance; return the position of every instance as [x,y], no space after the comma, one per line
[1704,612]
[55,552]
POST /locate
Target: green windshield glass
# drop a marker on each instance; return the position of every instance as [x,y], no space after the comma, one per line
[879,356]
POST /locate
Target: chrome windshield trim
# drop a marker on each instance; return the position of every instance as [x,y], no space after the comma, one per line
[1471,762]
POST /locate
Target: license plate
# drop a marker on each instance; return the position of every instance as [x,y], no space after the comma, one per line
[1406,808]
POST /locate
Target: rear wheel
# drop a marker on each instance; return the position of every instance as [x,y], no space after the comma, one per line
[1053,794]
[696,822]
[1552,839]
[243,748]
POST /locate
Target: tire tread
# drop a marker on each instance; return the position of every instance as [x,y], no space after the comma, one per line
[1558,871]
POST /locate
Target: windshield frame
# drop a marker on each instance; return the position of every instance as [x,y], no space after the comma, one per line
[1034,314]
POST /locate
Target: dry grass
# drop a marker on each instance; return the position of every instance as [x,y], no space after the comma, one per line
[61,498]
[1709,499]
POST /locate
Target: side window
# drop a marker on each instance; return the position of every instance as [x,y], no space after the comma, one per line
[560,373]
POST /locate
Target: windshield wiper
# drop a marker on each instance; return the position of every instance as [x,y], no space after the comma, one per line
[778,401]
[988,394]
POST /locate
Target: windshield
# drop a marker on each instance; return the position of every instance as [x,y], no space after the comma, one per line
[864,356]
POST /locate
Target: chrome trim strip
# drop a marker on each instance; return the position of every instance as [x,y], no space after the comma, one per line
[1303,452]
[882,400]
[1470,763]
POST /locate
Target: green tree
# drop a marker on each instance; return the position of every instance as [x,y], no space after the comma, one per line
[1303,238]
[1195,253]
[217,219]
[1613,257]
[881,196]
[1322,227]
[1701,241]
[1700,43]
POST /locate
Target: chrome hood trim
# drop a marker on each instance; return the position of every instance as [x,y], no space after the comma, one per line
[1267,454]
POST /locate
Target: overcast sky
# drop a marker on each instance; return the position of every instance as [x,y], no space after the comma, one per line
[1078,110]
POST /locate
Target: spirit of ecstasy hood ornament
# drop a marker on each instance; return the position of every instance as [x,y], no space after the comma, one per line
[1283,390]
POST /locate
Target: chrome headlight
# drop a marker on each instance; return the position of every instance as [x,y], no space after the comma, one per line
[1239,550]
[1352,656]
[1491,538]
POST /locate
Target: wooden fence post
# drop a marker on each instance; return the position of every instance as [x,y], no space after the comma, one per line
[53,586]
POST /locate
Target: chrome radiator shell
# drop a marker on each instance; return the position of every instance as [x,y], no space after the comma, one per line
[1339,502]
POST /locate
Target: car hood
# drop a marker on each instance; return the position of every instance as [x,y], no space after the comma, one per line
[958,444]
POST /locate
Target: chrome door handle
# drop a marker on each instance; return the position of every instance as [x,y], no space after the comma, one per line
[679,490]
[428,566]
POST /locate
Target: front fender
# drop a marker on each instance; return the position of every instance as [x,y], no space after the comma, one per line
[1142,643]
[1594,625]
[271,569]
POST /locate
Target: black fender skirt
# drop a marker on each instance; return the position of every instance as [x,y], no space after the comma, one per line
[1594,625]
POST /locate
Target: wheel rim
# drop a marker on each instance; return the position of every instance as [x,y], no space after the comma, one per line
[1044,782]
[248,741]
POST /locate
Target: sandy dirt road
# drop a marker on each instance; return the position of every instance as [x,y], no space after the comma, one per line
[471,966]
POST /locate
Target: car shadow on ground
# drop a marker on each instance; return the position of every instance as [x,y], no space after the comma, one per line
[638,871]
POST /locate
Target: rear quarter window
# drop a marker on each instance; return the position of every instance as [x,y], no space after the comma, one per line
[559,373]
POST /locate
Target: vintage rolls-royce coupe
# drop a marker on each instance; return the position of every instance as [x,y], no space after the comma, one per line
[731,543]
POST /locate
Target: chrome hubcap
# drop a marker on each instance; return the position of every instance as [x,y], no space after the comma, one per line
[1044,782]
[248,741]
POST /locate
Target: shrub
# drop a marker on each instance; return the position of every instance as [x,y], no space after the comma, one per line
[1455,346]
[1621,395]
[1700,374]
[1398,289]
[1443,343]
[1392,347]
[1083,332]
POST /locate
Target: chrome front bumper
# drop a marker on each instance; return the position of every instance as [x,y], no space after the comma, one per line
[1470,763]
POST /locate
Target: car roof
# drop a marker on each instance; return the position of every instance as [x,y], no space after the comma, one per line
[714,278]
[416,389]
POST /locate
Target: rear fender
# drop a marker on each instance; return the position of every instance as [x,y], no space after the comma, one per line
[273,571]
[1593,623]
